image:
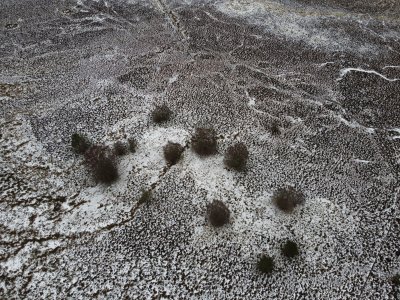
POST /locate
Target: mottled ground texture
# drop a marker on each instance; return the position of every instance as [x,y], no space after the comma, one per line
[325,72]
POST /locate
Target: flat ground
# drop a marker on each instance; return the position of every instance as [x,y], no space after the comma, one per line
[326,71]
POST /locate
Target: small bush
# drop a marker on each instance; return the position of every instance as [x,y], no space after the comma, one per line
[289,249]
[161,113]
[145,197]
[236,156]
[172,152]
[102,162]
[274,128]
[120,148]
[79,143]
[204,141]
[132,144]
[218,213]
[396,279]
[286,199]
[265,264]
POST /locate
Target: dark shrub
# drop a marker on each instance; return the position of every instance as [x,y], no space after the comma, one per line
[265,264]
[172,152]
[396,279]
[204,141]
[161,113]
[132,145]
[289,249]
[102,162]
[145,197]
[274,128]
[79,143]
[218,213]
[287,198]
[236,156]
[120,148]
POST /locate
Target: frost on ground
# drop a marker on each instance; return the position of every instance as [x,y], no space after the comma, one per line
[311,87]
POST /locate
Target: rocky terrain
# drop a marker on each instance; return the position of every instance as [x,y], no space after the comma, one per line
[324,73]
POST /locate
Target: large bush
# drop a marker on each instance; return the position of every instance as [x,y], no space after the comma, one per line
[102,162]
[290,249]
[172,152]
[236,156]
[265,264]
[161,113]
[286,199]
[218,214]
[204,141]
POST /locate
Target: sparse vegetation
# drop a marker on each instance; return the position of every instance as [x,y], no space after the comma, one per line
[145,197]
[172,152]
[132,144]
[120,148]
[102,162]
[79,143]
[274,128]
[396,279]
[236,156]
[161,113]
[218,213]
[265,264]
[204,141]
[286,199]
[290,249]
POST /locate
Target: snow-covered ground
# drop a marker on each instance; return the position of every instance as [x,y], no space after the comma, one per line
[327,74]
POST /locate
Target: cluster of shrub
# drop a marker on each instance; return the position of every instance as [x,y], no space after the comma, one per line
[101,160]
[285,199]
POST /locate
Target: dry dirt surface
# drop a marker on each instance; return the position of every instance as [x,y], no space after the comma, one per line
[311,87]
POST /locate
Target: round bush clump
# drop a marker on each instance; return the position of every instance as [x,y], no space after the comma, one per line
[274,128]
[145,197]
[396,279]
[218,214]
[132,144]
[236,156]
[286,199]
[120,148]
[265,264]
[289,249]
[102,162]
[161,113]
[79,143]
[204,141]
[172,152]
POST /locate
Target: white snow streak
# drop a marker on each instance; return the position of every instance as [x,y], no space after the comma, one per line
[343,72]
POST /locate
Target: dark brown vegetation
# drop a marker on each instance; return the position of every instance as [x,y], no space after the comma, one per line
[120,148]
[102,162]
[265,264]
[274,128]
[161,113]
[79,143]
[286,199]
[218,214]
[204,141]
[132,144]
[290,249]
[145,197]
[236,156]
[172,152]
[396,279]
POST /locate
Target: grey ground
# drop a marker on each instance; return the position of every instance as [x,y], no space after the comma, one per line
[326,70]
